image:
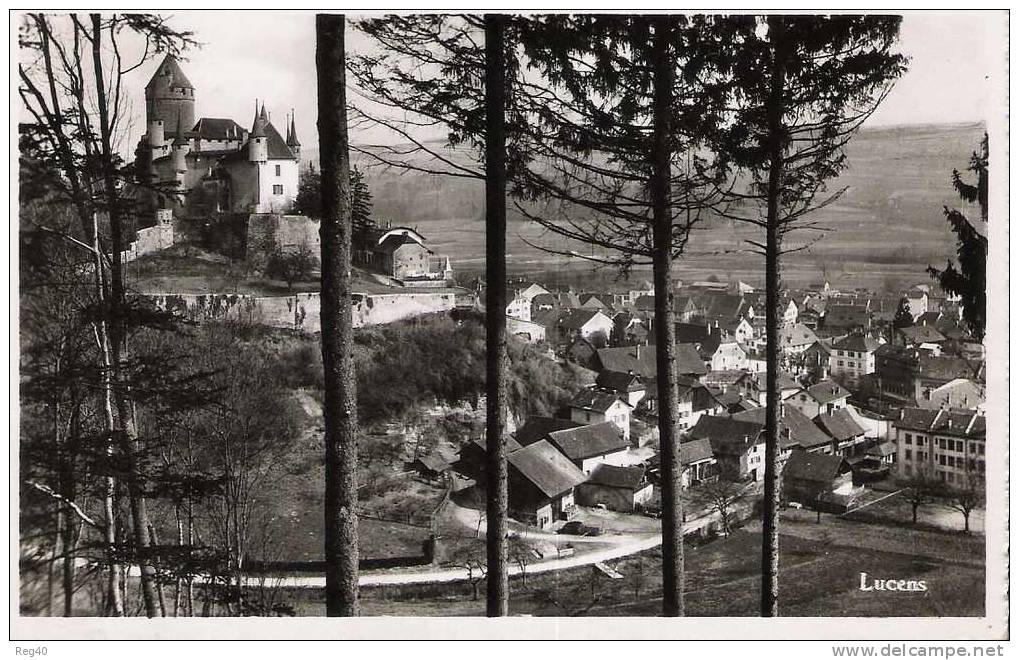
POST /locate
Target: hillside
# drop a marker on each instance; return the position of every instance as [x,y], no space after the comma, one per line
[887,227]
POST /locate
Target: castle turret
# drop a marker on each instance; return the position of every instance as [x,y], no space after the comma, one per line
[292,141]
[258,143]
[154,135]
[170,98]
[181,148]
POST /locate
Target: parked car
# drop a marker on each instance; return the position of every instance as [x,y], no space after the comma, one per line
[574,527]
[577,528]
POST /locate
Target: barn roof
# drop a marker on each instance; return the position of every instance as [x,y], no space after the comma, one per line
[590,440]
[614,476]
[550,472]
[816,467]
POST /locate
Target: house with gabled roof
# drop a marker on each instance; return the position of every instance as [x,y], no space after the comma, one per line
[826,396]
[616,488]
[961,393]
[537,427]
[595,405]
[848,437]
[795,430]
[541,484]
[737,445]
[627,386]
[473,456]
[843,319]
[794,338]
[924,337]
[813,479]
[592,325]
[591,445]
[853,357]
[641,360]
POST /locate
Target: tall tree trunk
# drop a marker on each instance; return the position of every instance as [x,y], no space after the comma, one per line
[665,330]
[495,313]
[128,432]
[337,333]
[115,601]
[769,536]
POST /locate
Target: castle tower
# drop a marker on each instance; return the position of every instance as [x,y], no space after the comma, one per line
[179,154]
[292,141]
[258,143]
[169,98]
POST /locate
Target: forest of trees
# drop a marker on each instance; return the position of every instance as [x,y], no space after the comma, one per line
[628,130]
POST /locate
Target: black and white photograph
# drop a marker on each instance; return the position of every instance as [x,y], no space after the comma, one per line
[624,324]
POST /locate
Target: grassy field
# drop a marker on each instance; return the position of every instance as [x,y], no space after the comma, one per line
[887,226]
[819,576]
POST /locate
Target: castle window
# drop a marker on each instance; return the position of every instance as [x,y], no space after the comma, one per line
[277,190]
[278,171]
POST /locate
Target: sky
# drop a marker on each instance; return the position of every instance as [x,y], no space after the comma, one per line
[271,56]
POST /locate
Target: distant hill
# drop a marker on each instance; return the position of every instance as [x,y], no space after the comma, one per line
[887,226]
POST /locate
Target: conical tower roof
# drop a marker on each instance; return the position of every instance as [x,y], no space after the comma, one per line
[170,71]
[258,126]
[292,134]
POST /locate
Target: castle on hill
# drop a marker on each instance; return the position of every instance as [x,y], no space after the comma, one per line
[235,170]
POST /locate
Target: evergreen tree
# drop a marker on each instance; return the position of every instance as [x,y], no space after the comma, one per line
[341,428]
[802,87]
[903,315]
[309,197]
[969,279]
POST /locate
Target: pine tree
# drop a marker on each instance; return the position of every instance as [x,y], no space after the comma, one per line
[968,280]
[802,86]
[340,409]
[903,315]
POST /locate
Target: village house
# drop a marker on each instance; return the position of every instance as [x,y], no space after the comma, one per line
[592,325]
[530,292]
[596,301]
[529,331]
[817,479]
[698,461]
[400,253]
[430,467]
[794,338]
[537,427]
[591,445]
[853,356]
[737,445]
[904,375]
[755,387]
[473,457]
[519,308]
[947,445]
[624,489]
[918,298]
[720,309]
[541,484]
[592,406]
[923,337]
[628,330]
[627,386]
[824,397]
[795,430]
[641,360]
[960,393]
[844,319]
[791,313]
[848,437]
[815,362]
